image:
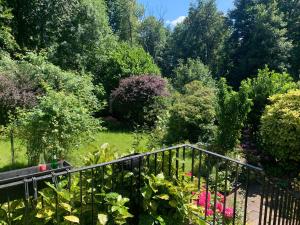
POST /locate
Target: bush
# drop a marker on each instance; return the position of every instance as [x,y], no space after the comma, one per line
[192,70]
[55,126]
[232,110]
[13,95]
[260,88]
[280,129]
[192,115]
[23,81]
[135,96]
[124,62]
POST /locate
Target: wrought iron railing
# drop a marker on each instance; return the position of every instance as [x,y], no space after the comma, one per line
[253,198]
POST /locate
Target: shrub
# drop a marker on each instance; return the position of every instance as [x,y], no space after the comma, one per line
[135,95]
[232,110]
[280,129]
[260,88]
[192,114]
[124,62]
[192,70]
[55,126]
[13,95]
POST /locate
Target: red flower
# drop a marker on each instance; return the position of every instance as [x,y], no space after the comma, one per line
[219,207]
[229,213]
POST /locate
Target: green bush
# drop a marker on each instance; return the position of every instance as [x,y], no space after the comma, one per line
[260,88]
[123,62]
[57,125]
[280,128]
[192,70]
[232,110]
[192,115]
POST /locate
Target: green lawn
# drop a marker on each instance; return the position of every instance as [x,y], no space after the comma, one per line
[121,141]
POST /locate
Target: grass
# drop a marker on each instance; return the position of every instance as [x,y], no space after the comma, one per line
[121,141]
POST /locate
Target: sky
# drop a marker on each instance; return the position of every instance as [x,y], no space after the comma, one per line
[174,11]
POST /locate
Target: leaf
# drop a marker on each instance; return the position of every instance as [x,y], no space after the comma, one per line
[73,219]
[163,196]
[66,207]
[102,219]
[173,203]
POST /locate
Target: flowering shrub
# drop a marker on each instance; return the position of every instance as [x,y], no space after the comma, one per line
[135,96]
[205,201]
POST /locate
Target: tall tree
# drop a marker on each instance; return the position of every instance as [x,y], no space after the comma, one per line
[201,35]
[124,18]
[153,37]
[86,39]
[259,38]
[38,24]
[291,10]
[7,41]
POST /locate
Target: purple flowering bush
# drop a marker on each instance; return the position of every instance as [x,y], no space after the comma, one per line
[135,97]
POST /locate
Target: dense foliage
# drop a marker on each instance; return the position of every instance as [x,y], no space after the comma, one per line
[135,96]
[192,70]
[123,62]
[232,110]
[192,114]
[261,87]
[55,126]
[280,129]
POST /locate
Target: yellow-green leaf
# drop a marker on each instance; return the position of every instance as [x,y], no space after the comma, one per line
[102,219]
[73,219]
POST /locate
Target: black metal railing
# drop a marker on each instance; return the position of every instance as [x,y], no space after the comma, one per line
[247,195]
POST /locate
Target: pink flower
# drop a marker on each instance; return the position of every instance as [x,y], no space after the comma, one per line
[189,174]
[219,207]
[221,197]
[229,213]
[203,201]
[209,212]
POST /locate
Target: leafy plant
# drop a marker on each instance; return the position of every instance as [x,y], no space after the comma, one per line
[280,130]
[117,212]
[192,115]
[57,125]
[232,110]
[135,96]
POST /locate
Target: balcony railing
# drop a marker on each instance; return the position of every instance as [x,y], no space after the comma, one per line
[253,197]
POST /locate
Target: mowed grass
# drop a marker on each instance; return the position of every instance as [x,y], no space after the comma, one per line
[122,143]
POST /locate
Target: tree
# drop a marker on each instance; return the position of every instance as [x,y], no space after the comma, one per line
[38,24]
[7,41]
[86,39]
[124,18]
[123,62]
[192,70]
[153,37]
[259,38]
[291,10]
[201,35]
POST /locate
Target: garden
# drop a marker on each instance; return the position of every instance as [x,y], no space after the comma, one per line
[94,92]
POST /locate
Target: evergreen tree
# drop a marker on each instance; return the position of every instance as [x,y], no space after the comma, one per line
[259,38]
